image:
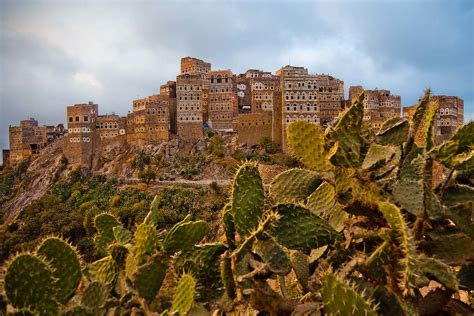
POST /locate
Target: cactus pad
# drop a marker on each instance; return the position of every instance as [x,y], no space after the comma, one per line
[306,141]
[184,297]
[377,156]
[149,277]
[439,270]
[227,276]
[247,198]
[104,223]
[185,235]
[346,136]
[322,202]
[294,185]
[229,227]
[146,241]
[29,283]
[64,262]
[273,255]
[152,216]
[95,295]
[299,229]
[104,270]
[393,132]
[407,261]
[122,235]
[340,298]
[119,253]
[300,264]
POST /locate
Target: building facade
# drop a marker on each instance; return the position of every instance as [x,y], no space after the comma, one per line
[29,138]
[149,123]
[81,140]
[314,98]
[222,101]
[192,88]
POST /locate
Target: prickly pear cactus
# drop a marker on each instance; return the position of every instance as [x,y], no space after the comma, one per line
[104,270]
[229,226]
[227,276]
[104,223]
[346,136]
[340,298]
[312,231]
[29,283]
[146,241]
[185,235]
[300,264]
[294,185]
[273,255]
[307,144]
[247,198]
[63,261]
[393,132]
[407,262]
[149,277]
[95,296]
[184,297]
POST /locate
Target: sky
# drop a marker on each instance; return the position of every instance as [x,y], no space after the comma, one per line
[58,53]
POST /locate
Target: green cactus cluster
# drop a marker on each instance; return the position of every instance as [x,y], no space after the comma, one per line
[361,229]
[44,280]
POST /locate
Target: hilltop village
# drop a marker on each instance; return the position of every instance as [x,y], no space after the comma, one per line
[251,106]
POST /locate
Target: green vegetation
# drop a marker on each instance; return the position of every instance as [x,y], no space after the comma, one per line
[344,243]
[147,175]
[10,178]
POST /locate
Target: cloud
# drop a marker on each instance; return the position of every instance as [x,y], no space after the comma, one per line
[54,53]
[87,79]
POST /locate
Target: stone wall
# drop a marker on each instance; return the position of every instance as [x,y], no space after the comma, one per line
[252,127]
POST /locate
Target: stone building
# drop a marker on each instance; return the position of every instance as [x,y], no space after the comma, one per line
[111,127]
[379,105]
[149,122]
[449,117]
[192,88]
[314,98]
[252,127]
[243,93]
[81,140]
[222,101]
[259,103]
[169,89]
[28,139]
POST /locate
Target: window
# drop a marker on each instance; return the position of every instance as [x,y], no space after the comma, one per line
[86,118]
[70,119]
[77,118]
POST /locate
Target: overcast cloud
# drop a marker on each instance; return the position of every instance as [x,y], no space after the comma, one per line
[57,53]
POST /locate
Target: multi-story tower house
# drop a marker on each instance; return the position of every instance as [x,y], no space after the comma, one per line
[314,98]
[191,96]
[111,127]
[264,85]
[80,142]
[169,89]
[261,90]
[449,117]
[379,105]
[149,123]
[222,100]
[244,99]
